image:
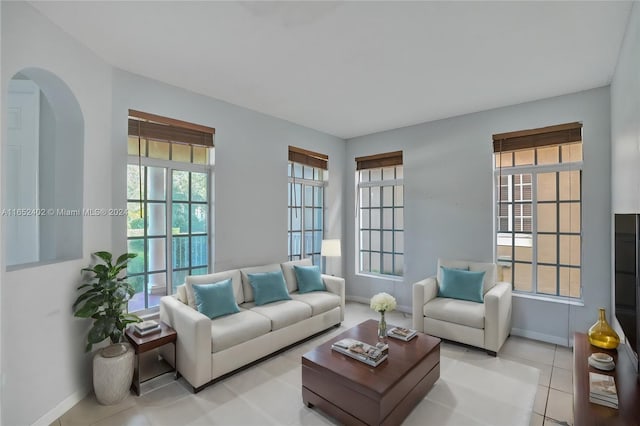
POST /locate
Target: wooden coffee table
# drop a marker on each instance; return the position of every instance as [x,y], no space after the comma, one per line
[356,393]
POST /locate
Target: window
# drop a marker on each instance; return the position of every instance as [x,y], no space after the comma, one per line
[168,184]
[307,172]
[538,209]
[380,214]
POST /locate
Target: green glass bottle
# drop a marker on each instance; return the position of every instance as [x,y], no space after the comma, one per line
[601,334]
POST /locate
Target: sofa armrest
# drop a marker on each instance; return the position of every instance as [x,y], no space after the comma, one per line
[193,345]
[336,285]
[423,291]
[497,314]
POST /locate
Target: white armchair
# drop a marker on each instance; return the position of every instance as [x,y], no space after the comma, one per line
[484,325]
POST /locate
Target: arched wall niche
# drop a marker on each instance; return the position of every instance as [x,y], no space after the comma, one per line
[43,173]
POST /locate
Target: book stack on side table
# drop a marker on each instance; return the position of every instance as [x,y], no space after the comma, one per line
[145,328]
[602,390]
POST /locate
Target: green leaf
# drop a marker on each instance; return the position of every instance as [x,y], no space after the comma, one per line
[104,255]
[85,296]
[131,318]
[124,258]
[90,307]
[101,270]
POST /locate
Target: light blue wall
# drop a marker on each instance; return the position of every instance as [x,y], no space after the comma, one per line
[251,156]
[448,178]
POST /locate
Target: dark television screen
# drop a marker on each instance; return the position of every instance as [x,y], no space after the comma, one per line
[626,276]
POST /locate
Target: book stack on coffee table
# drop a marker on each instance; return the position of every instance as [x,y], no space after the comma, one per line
[402,333]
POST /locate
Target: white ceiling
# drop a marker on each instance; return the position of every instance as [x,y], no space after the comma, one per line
[354,68]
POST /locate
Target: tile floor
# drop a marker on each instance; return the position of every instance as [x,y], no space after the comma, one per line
[174,404]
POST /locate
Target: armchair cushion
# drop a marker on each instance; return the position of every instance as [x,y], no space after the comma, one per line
[460,284]
[455,311]
[488,268]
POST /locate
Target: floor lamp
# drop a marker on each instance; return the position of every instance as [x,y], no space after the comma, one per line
[329,248]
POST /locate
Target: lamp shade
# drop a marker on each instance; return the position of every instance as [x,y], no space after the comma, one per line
[330,248]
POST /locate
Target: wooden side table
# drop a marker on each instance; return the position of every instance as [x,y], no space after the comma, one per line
[147,343]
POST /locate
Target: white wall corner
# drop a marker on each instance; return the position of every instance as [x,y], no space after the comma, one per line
[62,408]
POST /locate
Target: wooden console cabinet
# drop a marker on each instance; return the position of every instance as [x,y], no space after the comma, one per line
[627,381]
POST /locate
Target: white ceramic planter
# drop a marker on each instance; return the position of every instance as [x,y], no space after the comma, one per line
[112,375]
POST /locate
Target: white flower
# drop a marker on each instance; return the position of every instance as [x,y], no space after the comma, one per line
[383,302]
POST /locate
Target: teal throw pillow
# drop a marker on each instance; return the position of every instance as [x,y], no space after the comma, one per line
[309,279]
[460,284]
[215,300]
[268,287]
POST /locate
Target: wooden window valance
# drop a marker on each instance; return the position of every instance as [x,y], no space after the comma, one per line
[157,127]
[388,159]
[308,158]
[533,138]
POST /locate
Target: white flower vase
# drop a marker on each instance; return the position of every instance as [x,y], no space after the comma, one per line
[113,373]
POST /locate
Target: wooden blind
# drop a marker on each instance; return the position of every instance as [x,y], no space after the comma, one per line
[308,158]
[533,138]
[156,127]
[388,159]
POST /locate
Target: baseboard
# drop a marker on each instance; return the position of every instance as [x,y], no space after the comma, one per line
[61,408]
[548,338]
[366,301]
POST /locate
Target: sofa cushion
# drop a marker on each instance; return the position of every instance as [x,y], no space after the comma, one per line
[234,274]
[231,330]
[215,300]
[458,284]
[461,312]
[320,301]
[282,313]
[489,269]
[244,272]
[181,293]
[289,274]
[268,287]
[309,278]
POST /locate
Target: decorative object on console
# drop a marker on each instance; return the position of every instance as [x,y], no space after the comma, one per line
[104,299]
[383,302]
[601,361]
[329,248]
[601,334]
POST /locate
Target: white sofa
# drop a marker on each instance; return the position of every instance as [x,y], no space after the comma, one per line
[485,325]
[210,348]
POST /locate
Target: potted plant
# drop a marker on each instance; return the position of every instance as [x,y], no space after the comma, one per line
[104,298]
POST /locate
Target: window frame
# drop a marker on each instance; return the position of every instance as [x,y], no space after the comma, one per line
[305,182]
[534,171]
[379,184]
[169,166]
